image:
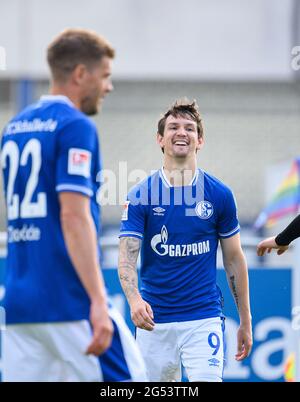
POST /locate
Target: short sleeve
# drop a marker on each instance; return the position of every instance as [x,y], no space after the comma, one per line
[228,224]
[133,220]
[76,148]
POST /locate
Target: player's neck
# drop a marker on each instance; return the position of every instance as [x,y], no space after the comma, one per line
[179,173]
[62,90]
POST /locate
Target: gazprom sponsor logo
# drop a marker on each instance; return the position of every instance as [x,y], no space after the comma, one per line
[160,246]
[164,234]
[26,233]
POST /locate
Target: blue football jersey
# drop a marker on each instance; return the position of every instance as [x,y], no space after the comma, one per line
[180,228]
[49,147]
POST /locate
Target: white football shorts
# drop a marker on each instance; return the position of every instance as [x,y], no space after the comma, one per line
[196,345]
[56,352]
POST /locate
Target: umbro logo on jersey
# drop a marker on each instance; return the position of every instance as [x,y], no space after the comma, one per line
[214,362]
[159,211]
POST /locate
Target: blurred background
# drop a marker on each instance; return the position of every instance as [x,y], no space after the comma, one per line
[239,59]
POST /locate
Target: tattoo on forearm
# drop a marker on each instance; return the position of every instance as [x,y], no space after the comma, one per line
[128,254]
[234,291]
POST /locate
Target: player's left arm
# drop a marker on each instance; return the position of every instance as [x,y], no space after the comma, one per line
[237,276]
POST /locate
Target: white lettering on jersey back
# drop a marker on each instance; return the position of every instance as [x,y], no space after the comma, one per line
[79,162]
[26,126]
[31,233]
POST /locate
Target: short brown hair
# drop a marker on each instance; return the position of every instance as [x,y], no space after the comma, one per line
[182,108]
[76,46]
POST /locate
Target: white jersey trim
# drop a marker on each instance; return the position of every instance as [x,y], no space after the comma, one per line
[57,98]
[230,233]
[137,234]
[168,184]
[74,187]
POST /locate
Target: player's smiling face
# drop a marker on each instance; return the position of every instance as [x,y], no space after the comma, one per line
[96,86]
[180,137]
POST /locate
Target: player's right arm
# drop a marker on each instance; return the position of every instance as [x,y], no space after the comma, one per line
[141,312]
[81,241]
[282,241]
[269,244]
[76,164]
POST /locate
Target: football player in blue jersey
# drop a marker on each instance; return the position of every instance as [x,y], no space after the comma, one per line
[60,325]
[176,217]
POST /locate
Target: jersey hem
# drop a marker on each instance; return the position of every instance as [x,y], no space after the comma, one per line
[183,319]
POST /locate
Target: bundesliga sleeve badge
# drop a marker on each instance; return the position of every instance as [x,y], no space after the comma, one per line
[125,211]
[79,162]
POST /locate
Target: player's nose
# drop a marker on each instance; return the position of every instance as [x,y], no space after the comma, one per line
[181,133]
[109,87]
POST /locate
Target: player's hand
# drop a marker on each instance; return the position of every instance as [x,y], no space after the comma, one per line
[102,329]
[142,314]
[244,342]
[268,245]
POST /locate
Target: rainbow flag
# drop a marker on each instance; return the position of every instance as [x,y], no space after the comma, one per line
[290,368]
[285,201]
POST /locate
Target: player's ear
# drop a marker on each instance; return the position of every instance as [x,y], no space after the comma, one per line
[160,140]
[200,143]
[79,73]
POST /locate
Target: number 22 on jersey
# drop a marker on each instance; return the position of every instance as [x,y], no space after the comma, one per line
[23,208]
